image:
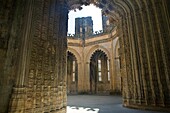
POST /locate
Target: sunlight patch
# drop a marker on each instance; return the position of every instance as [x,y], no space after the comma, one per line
[75,109]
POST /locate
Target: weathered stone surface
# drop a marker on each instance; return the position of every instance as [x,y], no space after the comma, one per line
[33,53]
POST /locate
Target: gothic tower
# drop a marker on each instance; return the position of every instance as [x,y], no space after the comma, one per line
[83,27]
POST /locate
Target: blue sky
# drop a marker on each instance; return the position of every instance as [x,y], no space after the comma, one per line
[90,10]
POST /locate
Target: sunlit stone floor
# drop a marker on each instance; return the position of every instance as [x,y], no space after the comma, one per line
[99,104]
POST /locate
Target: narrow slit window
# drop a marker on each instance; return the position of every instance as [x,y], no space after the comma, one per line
[108,70]
[74,71]
[99,70]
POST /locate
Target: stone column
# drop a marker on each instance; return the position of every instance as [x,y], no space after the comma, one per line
[41,77]
[80,78]
[87,77]
[61,20]
[9,31]
[124,57]
[18,98]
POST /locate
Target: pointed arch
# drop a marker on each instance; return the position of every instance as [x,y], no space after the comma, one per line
[94,48]
[77,55]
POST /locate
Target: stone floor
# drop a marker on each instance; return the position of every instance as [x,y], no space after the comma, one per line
[99,104]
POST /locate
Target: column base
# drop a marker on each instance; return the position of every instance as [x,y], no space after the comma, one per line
[17,102]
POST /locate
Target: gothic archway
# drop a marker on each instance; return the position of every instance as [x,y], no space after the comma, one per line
[99,73]
[93,49]
[72,74]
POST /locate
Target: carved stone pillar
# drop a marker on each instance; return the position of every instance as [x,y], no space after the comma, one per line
[161,44]
[123,57]
[41,78]
[18,97]
[8,49]
[149,41]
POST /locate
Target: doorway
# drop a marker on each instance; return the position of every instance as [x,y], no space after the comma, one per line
[72,75]
[99,73]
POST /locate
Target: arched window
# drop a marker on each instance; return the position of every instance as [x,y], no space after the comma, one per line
[99,70]
[108,70]
[74,71]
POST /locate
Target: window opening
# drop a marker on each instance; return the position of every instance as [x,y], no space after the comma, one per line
[74,71]
[99,70]
[108,70]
